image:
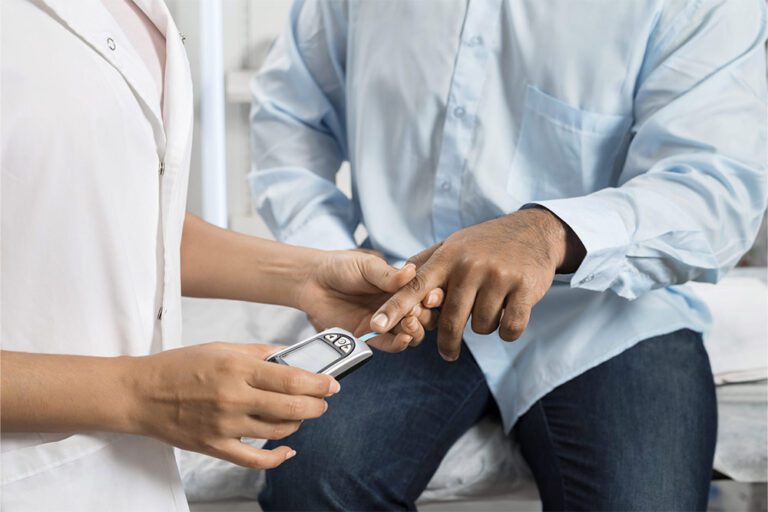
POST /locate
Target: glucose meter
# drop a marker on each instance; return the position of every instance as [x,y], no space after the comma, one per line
[334,352]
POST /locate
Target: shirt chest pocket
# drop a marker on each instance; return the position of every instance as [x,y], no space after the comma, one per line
[563,151]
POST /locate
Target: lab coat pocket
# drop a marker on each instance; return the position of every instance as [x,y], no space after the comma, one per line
[92,472]
[563,151]
[35,459]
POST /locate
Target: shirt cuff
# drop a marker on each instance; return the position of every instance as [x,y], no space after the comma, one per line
[603,234]
[326,232]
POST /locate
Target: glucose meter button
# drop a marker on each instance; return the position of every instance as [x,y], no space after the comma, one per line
[346,348]
[331,337]
[342,342]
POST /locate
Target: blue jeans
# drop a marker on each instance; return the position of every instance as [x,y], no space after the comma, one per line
[634,433]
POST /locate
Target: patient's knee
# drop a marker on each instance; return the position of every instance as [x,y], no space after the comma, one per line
[324,479]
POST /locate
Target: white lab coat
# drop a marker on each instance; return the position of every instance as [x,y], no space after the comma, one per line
[91,230]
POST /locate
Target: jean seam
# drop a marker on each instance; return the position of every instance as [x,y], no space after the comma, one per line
[554,444]
[447,423]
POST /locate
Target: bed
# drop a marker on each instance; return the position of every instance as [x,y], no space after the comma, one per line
[484,470]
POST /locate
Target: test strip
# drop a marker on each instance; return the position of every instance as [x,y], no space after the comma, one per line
[368,336]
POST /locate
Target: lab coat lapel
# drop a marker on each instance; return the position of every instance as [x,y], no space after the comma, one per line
[178,110]
[91,22]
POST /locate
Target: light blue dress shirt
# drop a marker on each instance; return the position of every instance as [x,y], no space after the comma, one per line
[640,123]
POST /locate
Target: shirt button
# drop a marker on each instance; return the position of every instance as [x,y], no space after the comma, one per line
[587,279]
[445,185]
[459,112]
[111,44]
[476,41]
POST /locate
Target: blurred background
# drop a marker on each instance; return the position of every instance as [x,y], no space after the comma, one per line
[226,42]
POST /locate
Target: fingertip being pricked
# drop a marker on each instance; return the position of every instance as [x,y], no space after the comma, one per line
[379,322]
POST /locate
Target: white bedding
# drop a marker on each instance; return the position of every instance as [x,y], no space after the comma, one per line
[484,461]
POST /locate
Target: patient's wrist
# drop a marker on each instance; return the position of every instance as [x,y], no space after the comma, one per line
[567,250]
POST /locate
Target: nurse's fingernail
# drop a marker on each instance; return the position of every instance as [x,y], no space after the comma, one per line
[408,266]
[335,387]
[290,454]
[380,320]
[325,406]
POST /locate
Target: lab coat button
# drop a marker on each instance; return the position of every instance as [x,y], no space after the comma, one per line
[445,185]
[111,44]
[160,314]
[161,170]
[459,112]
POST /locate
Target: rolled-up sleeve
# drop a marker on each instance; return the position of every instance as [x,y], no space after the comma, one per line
[298,133]
[694,186]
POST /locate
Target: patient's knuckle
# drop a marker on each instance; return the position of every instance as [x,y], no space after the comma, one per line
[501,273]
[417,284]
[395,303]
[451,329]
[470,263]
[526,281]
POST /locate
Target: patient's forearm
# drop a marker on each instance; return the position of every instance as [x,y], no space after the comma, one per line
[218,263]
[57,393]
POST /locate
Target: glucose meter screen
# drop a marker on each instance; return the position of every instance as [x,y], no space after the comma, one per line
[312,357]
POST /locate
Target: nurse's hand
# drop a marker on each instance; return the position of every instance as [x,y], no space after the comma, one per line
[204,398]
[344,289]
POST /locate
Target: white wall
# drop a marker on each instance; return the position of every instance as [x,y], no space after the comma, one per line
[249,28]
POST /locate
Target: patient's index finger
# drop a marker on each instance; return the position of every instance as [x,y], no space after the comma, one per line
[427,278]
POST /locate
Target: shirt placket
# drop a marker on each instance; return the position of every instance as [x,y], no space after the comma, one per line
[475,49]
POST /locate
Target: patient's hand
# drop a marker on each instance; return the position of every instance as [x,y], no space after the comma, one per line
[496,271]
[347,287]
